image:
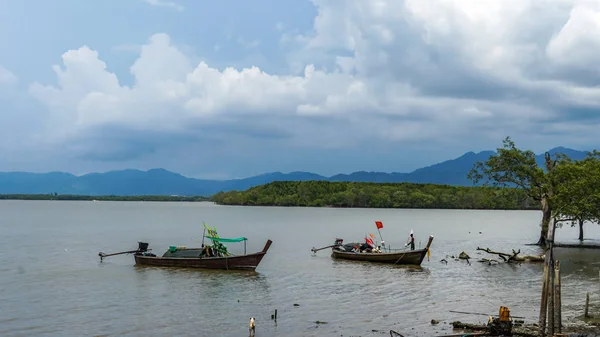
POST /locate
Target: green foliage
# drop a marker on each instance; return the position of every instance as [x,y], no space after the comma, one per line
[566,189]
[512,167]
[54,196]
[377,195]
[577,189]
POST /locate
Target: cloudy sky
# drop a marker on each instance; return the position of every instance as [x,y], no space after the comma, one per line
[226,88]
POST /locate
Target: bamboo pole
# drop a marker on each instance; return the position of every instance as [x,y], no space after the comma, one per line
[557,300]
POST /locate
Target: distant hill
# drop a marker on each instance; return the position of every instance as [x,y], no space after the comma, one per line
[163,182]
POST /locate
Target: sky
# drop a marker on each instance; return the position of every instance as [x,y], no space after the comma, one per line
[226,89]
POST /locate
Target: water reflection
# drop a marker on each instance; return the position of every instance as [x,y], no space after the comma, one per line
[367,266]
[578,261]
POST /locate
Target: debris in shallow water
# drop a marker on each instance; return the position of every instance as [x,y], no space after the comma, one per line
[514,256]
[488,261]
[320,322]
[434,322]
[468,326]
[395,334]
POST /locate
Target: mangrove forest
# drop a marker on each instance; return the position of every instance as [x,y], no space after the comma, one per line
[378,195]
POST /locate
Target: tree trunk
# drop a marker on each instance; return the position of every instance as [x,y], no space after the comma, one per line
[580,229]
[546,214]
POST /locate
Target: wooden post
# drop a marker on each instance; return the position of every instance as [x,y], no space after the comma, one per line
[587,306]
[548,285]
[557,301]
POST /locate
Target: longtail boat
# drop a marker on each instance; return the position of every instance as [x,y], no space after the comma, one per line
[197,258]
[352,252]
[213,256]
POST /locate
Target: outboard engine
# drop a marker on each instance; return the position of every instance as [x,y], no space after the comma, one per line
[142,247]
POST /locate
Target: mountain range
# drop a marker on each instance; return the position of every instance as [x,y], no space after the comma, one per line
[162,182]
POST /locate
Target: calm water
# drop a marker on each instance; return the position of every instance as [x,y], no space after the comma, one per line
[52,283]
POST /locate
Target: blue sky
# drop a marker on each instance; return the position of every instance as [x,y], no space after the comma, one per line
[223,89]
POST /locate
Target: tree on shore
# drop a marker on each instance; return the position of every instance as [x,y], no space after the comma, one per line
[567,190]
[577,196]
[513,167]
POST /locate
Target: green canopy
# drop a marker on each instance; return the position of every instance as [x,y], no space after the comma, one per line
[227,240]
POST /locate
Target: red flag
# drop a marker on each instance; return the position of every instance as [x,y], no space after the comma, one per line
[379,224]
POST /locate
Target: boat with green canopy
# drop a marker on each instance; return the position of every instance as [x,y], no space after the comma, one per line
[209,256]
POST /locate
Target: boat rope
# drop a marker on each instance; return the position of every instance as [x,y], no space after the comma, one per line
[400,258]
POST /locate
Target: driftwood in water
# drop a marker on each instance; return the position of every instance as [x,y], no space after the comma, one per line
[514,256]
[484,330]
[469,326]
[488,261]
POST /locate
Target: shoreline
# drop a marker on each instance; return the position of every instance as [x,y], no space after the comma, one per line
[382,208]
[165,198]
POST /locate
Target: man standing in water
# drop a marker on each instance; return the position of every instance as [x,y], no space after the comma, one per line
[411,241]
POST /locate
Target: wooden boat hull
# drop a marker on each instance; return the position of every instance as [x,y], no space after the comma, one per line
[409,257]
[414,257]
[241,262]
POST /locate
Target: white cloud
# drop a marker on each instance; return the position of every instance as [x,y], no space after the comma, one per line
[164,3]
[577,44]
[7,77]
[391,70]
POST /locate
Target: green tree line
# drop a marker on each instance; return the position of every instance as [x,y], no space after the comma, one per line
[378,195]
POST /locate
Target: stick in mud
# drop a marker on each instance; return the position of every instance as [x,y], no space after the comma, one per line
[551,301]
[544,302]
[557,301]
[587,306]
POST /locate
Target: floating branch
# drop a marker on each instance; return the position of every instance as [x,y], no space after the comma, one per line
[514,256]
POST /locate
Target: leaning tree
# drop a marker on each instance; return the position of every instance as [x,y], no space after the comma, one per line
[513,167]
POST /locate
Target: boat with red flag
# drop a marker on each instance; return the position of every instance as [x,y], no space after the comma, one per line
[368,251]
